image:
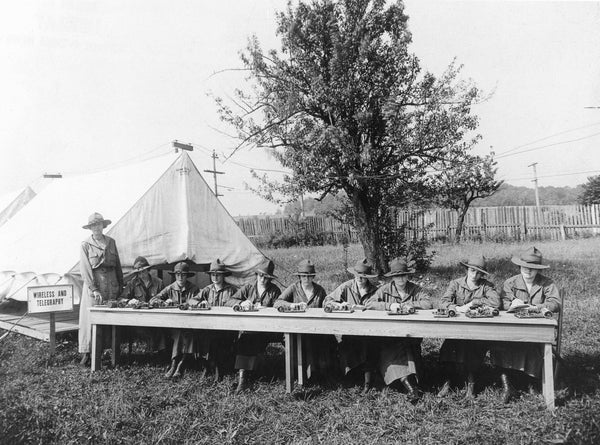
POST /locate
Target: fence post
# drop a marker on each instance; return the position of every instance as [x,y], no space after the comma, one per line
[563,232]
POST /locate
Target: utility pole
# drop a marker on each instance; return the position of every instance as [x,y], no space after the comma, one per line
[215,172]
[535,181]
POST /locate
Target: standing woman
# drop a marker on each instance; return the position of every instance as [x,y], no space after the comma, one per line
[100,269]
[531,288]
[305,293]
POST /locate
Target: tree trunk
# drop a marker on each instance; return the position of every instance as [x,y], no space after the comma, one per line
[462,213]
[367,227]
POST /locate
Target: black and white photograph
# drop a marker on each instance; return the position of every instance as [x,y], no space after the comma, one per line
[300,222]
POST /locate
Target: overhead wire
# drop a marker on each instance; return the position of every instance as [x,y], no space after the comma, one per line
[547,146]
[548,137]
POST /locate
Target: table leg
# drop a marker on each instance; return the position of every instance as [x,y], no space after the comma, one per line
[299,362]
[116,346]
[289,369]
[96,347]
[548,377]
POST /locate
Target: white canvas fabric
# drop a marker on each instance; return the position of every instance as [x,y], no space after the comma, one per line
[166,213]
[12,202]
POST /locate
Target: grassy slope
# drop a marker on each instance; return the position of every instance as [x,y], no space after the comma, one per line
[55,401]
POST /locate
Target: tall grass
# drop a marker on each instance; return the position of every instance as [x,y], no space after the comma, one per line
[46,400]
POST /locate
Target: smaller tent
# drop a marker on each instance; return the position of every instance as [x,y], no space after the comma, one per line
[160,208]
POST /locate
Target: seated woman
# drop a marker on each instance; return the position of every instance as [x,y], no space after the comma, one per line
[531,288]
[217,346]
[142,287]
[305,293]
[355,352]
[251,344]
[178,292]
[399,358]
[467,356]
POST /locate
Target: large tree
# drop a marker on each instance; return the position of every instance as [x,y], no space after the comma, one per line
[463,182]
[345,106]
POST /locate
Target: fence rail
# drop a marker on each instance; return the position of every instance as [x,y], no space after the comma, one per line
[512,223]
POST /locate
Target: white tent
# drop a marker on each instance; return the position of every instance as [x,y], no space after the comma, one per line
[12,202]
[167,215]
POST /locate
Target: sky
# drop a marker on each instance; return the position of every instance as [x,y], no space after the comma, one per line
[88,85]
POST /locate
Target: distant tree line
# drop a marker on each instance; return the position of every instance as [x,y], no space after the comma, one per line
[506,195]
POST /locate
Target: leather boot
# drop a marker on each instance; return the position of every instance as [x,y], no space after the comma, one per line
[85,359]
[180,368]
[242,381]
[445,389]
[508,391]
[470,394]
[412,388]
[368,384]
[172,369]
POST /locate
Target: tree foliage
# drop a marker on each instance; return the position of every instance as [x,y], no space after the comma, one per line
[591,191]
[463,182]
[346,107]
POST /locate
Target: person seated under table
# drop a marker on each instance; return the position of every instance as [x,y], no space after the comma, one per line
[530,288]
[251,345]
[465,357]
[399,358]
[184,344]
[303,294]
[216,347]
[356,352]
[141,288]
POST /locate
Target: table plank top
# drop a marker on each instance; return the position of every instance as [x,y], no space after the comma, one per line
[504,327]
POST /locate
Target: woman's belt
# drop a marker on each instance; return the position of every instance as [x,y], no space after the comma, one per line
[105,268]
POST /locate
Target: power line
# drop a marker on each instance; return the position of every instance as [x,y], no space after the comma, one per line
[547,146]
[548,137]
[555,175]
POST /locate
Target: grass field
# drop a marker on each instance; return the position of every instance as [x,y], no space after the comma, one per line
[54,401]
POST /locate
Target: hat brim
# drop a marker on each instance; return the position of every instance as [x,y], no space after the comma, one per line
[219,272]
[395,274]
[360,274]
[475,267]
[520,262]
[105,223]
[265,274]
[188,274]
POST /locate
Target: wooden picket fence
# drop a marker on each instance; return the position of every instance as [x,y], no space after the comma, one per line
[511,223]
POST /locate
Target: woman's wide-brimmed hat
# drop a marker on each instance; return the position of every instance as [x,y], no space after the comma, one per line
[531,258]
[363,269]
[477,263]
[182,268]
[399,266]
[306,268]
[96,218]
[217,267]
[140,264]
[267,269]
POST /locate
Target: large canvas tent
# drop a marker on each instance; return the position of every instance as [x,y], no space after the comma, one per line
[166,213]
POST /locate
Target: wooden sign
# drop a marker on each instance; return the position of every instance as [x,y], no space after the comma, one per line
[57,298]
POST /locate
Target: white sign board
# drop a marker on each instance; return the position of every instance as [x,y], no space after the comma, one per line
[57,298]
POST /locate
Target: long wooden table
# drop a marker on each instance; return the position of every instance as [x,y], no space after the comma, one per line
[505,327]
